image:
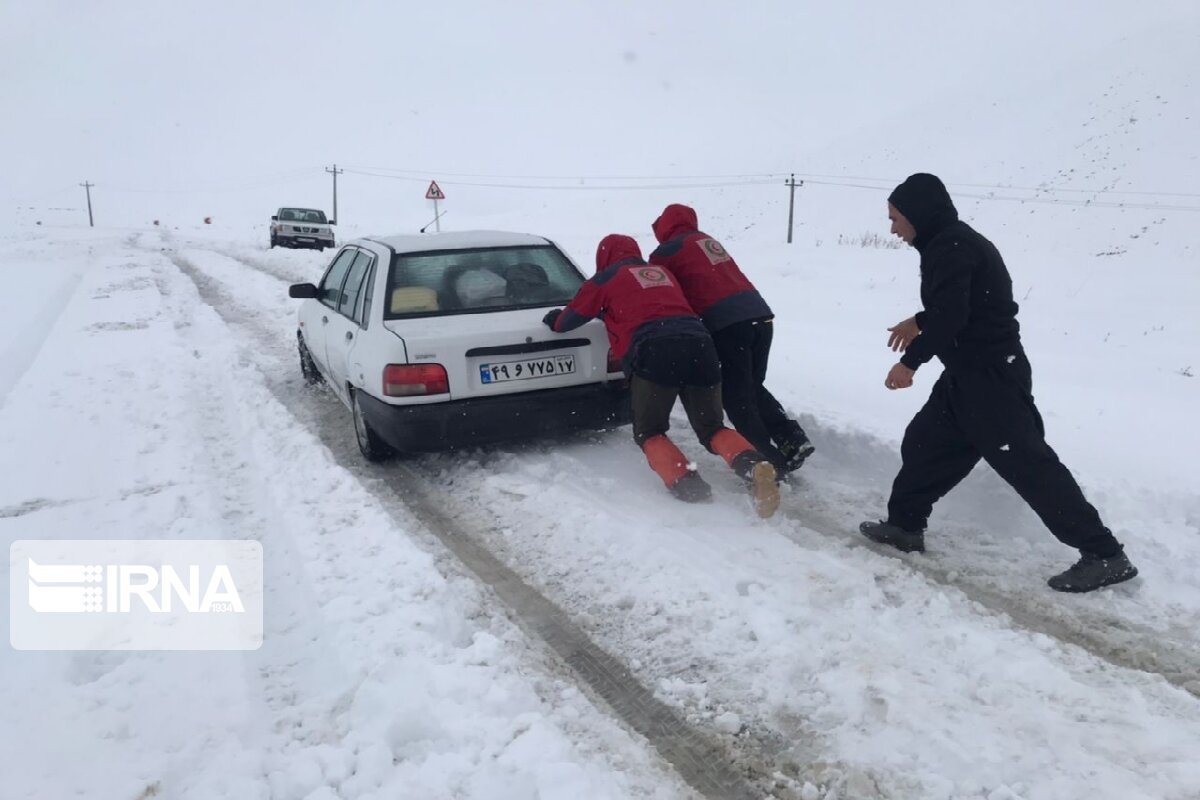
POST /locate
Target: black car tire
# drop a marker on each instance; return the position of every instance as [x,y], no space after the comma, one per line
[370,444]
[273,242]
[308,368]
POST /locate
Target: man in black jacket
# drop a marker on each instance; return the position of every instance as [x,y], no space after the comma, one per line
[982,404]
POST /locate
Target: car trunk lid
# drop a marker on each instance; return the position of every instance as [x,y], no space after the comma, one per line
[504,352]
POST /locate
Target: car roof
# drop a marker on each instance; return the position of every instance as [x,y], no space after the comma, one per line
[458,240]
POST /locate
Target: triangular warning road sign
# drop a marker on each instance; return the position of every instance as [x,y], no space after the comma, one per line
[434,192]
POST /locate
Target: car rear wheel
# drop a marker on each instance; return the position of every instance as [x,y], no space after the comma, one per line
[308,367]
[372,447]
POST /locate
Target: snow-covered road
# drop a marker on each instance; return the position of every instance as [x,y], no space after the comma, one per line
[654,645]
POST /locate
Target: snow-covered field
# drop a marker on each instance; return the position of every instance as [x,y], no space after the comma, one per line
[541,620]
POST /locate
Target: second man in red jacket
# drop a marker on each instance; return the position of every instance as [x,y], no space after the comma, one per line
[740,322]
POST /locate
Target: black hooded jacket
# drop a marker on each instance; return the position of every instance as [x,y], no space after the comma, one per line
[969,318]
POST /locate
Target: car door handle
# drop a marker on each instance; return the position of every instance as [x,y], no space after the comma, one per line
[349,336]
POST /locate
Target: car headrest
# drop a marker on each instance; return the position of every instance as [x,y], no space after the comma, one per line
[412,298]
[476,287]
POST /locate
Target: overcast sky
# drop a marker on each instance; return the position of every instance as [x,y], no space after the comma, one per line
[236,105]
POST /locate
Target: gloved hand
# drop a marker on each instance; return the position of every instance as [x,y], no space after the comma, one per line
[551,317]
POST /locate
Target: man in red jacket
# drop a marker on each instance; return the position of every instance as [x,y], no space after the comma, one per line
[740,323]
[667,353]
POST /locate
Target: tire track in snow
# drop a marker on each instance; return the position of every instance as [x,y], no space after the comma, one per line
[1107,637]
[700,758]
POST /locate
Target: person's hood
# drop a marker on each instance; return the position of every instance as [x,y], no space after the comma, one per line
[617,247]
[674,220]
[924,202]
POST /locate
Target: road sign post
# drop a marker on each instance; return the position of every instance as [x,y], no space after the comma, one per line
[435,193]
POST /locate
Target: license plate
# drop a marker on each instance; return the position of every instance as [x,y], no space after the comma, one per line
[526,369]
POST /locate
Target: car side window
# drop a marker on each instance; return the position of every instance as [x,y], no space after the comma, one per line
[353,287]
[330,291]
[362,312]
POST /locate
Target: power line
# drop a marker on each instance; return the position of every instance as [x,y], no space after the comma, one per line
[747,178]
[1045,195]
[594,188]
[422,174]
[761,182]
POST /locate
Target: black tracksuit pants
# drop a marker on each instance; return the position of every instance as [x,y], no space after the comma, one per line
[744,348]
[988,413]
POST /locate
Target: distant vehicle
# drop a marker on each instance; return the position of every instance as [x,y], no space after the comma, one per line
[301,227]
[436,341]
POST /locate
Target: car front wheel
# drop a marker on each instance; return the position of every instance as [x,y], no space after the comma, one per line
[370,444]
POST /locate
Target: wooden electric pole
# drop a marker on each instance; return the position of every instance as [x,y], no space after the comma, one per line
[791,183]
[88,188]
[334,172]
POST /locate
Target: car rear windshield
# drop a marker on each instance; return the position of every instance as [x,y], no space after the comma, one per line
[301,215]
[475,281]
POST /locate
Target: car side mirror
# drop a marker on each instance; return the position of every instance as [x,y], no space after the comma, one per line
[333,222]
[274,218]
[302,290]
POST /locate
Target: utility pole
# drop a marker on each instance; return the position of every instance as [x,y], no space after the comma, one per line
[791,182]
[334,172]
[88,188]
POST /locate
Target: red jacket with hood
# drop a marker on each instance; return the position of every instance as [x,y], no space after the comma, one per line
[636,301]
[708,275]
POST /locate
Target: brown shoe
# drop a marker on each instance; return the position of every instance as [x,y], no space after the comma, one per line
[764,487]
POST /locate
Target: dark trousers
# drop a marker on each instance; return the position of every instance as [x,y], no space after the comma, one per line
[989,413]
[744,348]
[668,367]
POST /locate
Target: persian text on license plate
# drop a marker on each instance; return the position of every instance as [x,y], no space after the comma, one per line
[526,368]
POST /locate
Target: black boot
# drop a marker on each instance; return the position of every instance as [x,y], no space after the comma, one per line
[795,452]
[691,488]
[1091,572]
[897,537]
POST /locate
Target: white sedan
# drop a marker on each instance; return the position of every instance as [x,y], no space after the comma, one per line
[436,341]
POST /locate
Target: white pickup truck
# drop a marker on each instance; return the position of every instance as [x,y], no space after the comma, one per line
[301,227]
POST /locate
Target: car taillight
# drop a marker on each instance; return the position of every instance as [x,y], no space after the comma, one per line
[614,363]
[406,380]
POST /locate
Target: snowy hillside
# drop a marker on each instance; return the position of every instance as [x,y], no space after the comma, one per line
[541,620]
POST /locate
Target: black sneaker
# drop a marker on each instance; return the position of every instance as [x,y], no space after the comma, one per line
[887,533]
[691,488]
[794,454]
[1092,572]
